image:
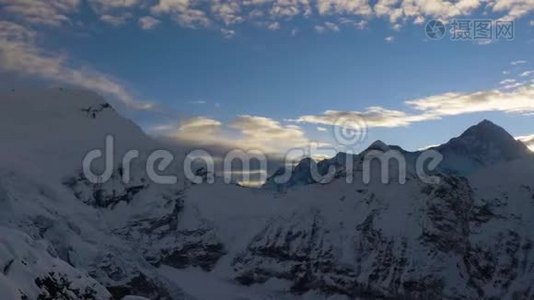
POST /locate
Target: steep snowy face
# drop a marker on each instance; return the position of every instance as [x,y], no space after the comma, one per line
[110,236]
[481,145]
[52,129]
[413,240]
[32,270]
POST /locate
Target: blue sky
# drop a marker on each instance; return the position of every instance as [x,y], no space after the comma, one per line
[262,74]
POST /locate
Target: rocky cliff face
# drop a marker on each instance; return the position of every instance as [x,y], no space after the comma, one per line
[422,242]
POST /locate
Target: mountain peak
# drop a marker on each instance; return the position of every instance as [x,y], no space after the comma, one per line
[486,122]
[378,145]
[488,131]
[487,125]
[487,142]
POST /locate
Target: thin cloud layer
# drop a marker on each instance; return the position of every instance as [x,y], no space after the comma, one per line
[373,117]
[244,132]
[148,22]
[43,12]
[200,131]
[20,53]
[262,132]
[519,100]
[183,12]
[527,140]
[513,8]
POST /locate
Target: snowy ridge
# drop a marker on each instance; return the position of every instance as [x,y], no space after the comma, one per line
[479,146]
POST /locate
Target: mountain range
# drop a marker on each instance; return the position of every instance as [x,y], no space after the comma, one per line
[468,236]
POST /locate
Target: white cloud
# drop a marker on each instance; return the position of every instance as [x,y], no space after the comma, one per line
[19,53]
[46,12]
[290,8]
[229,12]
[527,73]
[389,39]
[527,140]
[262,132]
[361,24]
[114,12]
[274,26]
[255,13]
[387,8]
[513,85]
[201,130]
[518,62]
[116,20]
[322,129]
[107,5]
[198,102]
[185,12]
[319,28]
[372,116]
[419,20]
[227,33]
[148,22]
[519,100]
[326,26]
[270,13]
[427,147]
[354,7]
[244,132]
[331,26]
[507,81]
[417,10]
[513,8]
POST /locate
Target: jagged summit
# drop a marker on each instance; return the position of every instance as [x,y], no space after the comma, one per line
[378,145]
[488,130]
[40,125]
[486,142]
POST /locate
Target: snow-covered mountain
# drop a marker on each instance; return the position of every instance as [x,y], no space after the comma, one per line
[61,237]
[480,146]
